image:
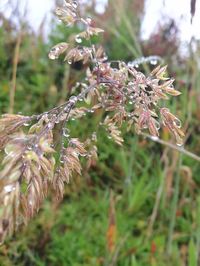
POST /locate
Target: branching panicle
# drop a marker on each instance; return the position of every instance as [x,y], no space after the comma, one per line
[127,97]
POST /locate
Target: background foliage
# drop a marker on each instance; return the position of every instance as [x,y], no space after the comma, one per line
[121,212]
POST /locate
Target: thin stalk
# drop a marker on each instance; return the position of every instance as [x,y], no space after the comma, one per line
[14,73]
[129,176]
[156,206]
[174,207]
[172,146]
[198,232]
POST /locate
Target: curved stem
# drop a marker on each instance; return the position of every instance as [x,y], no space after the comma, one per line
[173,146]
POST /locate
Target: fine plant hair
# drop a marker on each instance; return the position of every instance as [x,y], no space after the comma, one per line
[31,167]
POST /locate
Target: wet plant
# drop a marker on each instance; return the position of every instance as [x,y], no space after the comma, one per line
[35,162]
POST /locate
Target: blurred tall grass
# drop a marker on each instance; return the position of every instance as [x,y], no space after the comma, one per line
[140,204]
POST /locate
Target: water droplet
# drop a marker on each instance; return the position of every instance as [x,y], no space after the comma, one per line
[35,146]
[105,58]
[52,56]
[27,124]
[50,125]
[9,188]
[74,4]
[94,136]
[157,124]
[73,99]
[177,123]
[89,20]
[66,132]
[78,39]
[153,62]
[29,147]
[180,144]
[154,138]
[90,111]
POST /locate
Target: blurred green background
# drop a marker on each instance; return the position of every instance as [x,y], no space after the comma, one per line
[138,205]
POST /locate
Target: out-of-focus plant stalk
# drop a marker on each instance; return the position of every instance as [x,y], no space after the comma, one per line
[14,73]
[174,207]
[172,146]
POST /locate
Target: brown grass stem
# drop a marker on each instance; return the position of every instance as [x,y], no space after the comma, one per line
[14,73]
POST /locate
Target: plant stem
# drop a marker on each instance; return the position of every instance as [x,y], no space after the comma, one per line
[198,232]
[174,207]
[172,146]
[156,206]
[14,73]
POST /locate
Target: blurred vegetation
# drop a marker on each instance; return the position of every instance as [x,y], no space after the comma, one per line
[139,205]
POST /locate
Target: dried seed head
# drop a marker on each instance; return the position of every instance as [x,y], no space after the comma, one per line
[173,124]
[57,50]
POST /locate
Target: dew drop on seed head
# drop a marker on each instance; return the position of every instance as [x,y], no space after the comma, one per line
[94,136]
[153,62]
[9,188]
[74,4]
[89,20]
[29,147]
[177,123]
[50,125]
[73,99]
[105,58]
[52,56]
[154,138]
[180,144]
[78,39]
[66,132]
[27,124]
[157,124]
